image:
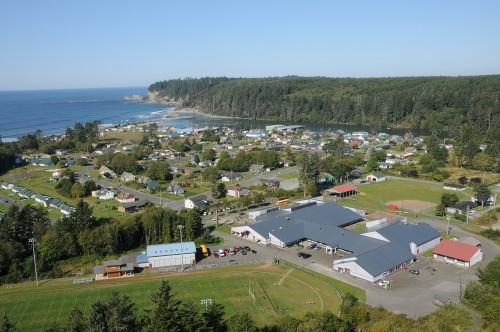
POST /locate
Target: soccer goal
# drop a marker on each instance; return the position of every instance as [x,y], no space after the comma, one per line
[251,292]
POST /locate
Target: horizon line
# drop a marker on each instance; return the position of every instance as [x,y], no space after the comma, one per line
[245,77]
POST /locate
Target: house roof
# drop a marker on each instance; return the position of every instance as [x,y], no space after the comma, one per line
[405,233]
[170,249]
[456,249]
[199,199]
[343,188]
[134,204]
[378,175]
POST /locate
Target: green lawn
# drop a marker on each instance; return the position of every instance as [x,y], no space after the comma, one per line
[300,291]
[288,176]
[375,196]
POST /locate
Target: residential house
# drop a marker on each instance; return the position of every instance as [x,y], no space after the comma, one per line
[107,172]
[231,176]
[461,208]
[115,268]
[124,197]
[175,189]
[237,191]
[103,194]
[132,206]
[199,202]
[127,177]
[152,186]
[271,184]
[42,162]
[256,168]
[454,186]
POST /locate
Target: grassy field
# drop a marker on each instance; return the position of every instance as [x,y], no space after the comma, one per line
[376,195]
[127,136]
[288,176]
[278,290]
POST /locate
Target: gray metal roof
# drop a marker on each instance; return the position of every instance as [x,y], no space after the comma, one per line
[405,233]
[383,258]
[330,214]
[318,223]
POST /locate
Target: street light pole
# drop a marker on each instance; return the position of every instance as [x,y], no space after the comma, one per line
[180,227]
[33,241]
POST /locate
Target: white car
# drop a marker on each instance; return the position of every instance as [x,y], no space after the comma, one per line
[221,253]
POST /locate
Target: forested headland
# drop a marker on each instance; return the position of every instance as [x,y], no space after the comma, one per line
[440,104]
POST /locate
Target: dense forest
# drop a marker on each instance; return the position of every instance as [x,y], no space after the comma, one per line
[440,104]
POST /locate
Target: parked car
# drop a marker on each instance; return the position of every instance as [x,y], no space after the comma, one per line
[222,252]
[415,272]
[303,255]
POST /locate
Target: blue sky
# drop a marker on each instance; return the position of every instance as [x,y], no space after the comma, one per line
[71,44]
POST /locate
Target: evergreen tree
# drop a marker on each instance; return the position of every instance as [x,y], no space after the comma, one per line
[6,325]
[120,314]
[163,315]
[241,322]
[214,318]
[219,190]
[483,194]
[76,321]
[98,319]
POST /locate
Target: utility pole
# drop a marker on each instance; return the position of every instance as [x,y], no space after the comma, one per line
[180,227]
[467,214]
[448,225]
[33,241]
[160,195]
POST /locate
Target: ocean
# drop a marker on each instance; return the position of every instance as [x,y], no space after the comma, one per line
[52,111]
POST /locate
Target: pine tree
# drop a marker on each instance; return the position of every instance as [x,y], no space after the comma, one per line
[98,320]
[76,321]
[164,312]
[241,322]
[120,314]
[6,325]
[214,318]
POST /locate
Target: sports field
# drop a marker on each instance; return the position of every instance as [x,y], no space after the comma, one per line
[376,196]
[278,290]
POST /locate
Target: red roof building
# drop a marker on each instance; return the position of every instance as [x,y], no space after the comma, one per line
[458,253]
[343,190]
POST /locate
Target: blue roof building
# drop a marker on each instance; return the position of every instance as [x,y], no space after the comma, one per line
[171,254]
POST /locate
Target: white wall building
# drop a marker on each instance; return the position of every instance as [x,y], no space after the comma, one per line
[171,254]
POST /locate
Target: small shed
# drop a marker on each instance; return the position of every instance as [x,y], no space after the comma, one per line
[376,177]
